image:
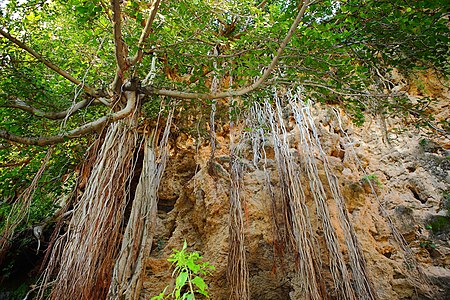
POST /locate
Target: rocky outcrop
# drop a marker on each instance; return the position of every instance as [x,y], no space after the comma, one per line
[403,181]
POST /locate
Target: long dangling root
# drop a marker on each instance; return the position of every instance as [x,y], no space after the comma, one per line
[237,263]
[416,276]
[137,240]
[293,191]
[360,279]
[294,228]
[86,253]
[20,208]
[238,273]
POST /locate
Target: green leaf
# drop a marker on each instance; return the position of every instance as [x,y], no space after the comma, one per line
[199,283]
[181,279]
[189,297]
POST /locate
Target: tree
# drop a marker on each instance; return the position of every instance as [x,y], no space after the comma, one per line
[77,73]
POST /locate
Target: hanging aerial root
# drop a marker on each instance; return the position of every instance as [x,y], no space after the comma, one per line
[86,253]
[293,228]
[416,276]
[360,279]
[338,268]
[301,221]
[212,122]
[238,273]
[54,242]
[298,232]
[129,269]
[257,121]
[20,208]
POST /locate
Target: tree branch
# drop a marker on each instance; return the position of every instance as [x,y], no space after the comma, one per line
[120,47]
[49,64]
[351,94]
[146,32]
[209,56]
[245,90]
[77,132]
[16,163]
[17,103]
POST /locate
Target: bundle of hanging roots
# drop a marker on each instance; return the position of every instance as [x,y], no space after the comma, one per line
[301,175]
[102,251]
[293,229]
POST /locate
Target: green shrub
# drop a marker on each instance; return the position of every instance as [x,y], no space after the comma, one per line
[188,270]
[439,224]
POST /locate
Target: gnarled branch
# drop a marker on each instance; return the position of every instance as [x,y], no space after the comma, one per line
[77,132]
[120,48]
[46,62]
[17,103]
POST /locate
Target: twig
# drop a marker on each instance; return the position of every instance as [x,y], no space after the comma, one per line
[145,33]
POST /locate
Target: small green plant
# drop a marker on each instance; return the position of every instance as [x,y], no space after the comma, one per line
[188,270]
[439,224]
[423,142]
[371,178]
[428,244]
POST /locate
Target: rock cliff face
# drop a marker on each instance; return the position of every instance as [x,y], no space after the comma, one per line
[389,178]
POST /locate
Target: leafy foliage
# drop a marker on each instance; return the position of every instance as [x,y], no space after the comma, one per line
[188,270]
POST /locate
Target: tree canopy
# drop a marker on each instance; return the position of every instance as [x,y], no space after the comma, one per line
[59,57]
